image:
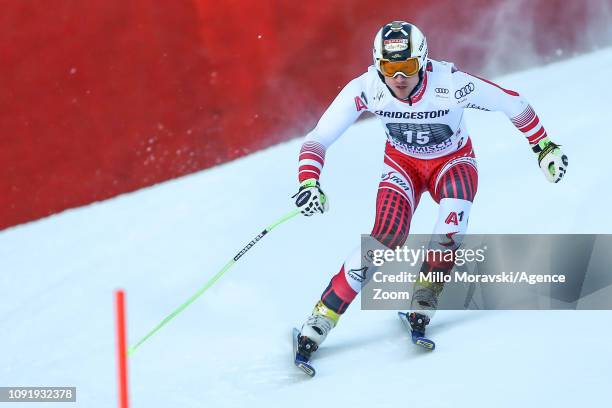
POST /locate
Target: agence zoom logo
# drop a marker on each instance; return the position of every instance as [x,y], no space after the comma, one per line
[465,91]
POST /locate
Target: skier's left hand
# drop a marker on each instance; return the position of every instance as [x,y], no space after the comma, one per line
[552,161]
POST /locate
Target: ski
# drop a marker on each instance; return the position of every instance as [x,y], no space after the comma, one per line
[417,338]
[300,360]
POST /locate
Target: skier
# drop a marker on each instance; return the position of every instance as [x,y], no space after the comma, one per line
[420,103]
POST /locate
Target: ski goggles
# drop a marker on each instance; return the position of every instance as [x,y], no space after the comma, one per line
[408,67]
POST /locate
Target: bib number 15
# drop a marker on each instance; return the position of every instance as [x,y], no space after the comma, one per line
[416,137]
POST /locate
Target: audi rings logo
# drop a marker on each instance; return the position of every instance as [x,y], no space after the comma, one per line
[465,91]
[442,90]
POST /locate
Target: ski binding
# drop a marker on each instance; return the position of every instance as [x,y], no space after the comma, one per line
[300,360]
[417,338]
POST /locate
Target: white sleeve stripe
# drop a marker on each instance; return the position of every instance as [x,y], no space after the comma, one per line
[308,162]
[536,141]
[313,153]
[533,131]
[535,117]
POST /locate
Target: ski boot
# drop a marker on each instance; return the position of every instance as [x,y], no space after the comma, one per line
[418,322]
[315,329]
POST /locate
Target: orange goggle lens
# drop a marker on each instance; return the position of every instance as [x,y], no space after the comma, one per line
[409,67]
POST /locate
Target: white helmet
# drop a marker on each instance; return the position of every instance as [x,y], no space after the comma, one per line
[399,41]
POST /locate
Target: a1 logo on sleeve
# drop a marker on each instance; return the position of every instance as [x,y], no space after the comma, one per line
[360,104]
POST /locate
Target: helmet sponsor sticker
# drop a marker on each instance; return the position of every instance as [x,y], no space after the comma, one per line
[422,44]
[395,45]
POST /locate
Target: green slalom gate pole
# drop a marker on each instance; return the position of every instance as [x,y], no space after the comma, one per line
[214,279]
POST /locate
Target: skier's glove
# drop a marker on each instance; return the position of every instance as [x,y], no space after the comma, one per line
[551,159]
[310,199]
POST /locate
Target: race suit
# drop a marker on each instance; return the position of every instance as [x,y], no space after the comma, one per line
[428,148]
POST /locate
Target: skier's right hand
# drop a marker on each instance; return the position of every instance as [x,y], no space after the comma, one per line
[310,199]
[552,161]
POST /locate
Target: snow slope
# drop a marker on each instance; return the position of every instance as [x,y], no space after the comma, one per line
[232,347]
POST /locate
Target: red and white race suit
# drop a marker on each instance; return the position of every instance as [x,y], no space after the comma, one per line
[428,149]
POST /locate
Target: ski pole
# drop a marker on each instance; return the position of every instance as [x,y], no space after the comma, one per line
[214,279]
